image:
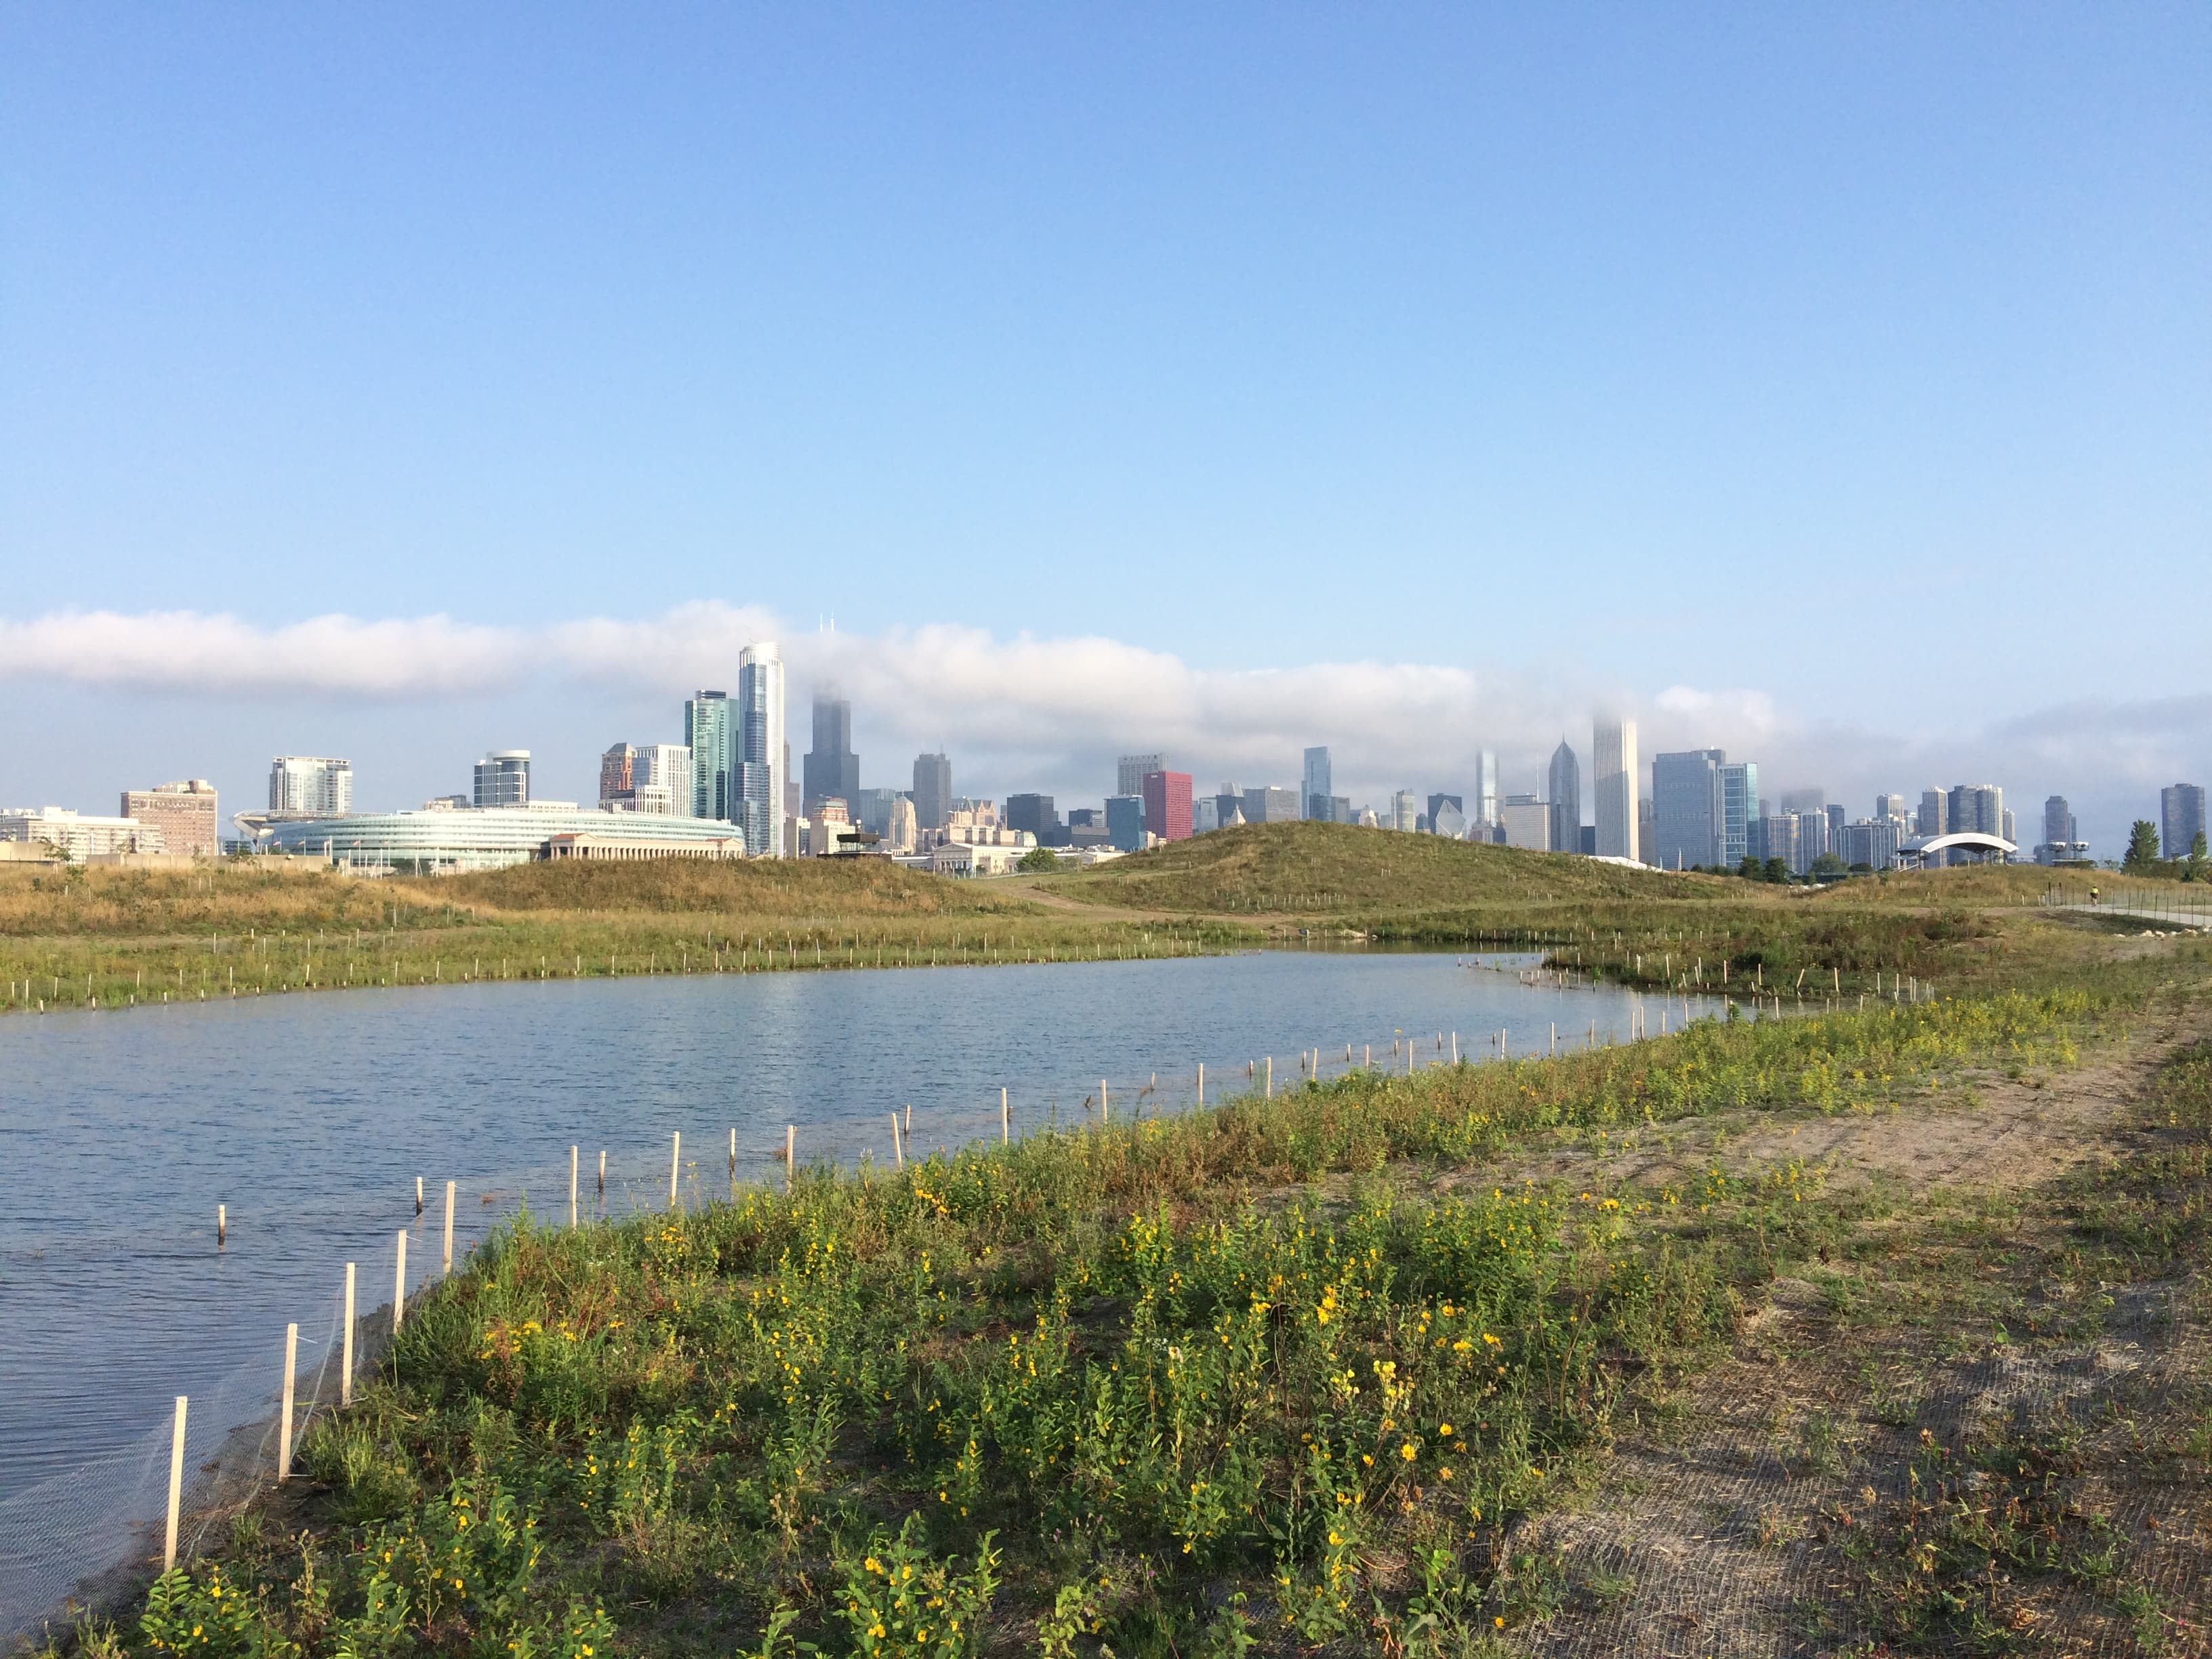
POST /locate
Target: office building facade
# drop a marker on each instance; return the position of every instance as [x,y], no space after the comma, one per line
[1319,788]
[830,768]
[1034,814]
[1613,772]
[1686,808]
[1974,809]
[502,779]
[1270,805]
[1525,821]
[316,785]
[1405,810]
[1129,773]
[763,758]
[1567,785]
[617,765]
[932,791]
[1125,823]
[1167,805]
[2181,817]
[184,814]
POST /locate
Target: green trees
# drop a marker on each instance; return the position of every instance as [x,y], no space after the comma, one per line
[2194,868]
[1038,860]
[2142,848]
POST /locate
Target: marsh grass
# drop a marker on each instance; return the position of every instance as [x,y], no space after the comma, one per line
[110,938]
[1188,1385]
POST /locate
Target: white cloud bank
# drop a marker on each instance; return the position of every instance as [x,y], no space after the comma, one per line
[1031,712]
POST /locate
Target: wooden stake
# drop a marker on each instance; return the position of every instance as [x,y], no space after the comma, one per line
[221,1225]
[399,1283]
[602,1172]
[345,1345]
[1271,1077]
[176,1488]
[446,1268]
[573,1151]
[1201,1083]
[898,1150]
[418,1195]
[284,1411]
[790,1152]
[733,1153]
[1005,1121]
[1104,1116]
[675,1162]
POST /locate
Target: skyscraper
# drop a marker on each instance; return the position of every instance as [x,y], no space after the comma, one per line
[1268,805]
[502,779]
[932,791]
[1686,808]
[1613,773]
[1124,822]
[1486,788]
[1739,806]
[1974,808]
[1129,773]
[710,733]
[762,757]
[314,785]
[1930,819]
[1167,805]
[1889,806]
[1405,810]
[1319,789]
[1034,813]
[830,769]
[1566,800]
[2057,822]
[2181,817]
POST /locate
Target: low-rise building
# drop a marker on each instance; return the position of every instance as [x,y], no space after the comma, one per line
[451,839]
[618,849]
[79,834]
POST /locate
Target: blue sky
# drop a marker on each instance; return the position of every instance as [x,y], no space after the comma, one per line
[1849,370]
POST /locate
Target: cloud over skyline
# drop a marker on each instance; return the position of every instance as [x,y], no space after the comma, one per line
[1051,713]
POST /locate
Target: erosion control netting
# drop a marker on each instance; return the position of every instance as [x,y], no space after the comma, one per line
[1754,1530]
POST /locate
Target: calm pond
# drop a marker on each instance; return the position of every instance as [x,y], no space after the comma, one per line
[311,1118]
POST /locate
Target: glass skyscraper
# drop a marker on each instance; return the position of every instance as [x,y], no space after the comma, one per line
[1739,807]
[709,731]
[1319,789]
[761,754]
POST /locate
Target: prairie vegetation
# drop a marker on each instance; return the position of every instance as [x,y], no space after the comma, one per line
[1288,1375]
[108,937]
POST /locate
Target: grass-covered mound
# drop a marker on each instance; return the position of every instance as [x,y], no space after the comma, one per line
[1321,869]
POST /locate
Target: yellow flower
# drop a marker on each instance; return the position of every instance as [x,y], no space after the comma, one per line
[1407,1452]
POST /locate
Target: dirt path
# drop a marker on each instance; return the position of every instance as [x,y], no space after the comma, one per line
[1743,1523]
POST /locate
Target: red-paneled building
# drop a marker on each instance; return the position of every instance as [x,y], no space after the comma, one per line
[1167,805]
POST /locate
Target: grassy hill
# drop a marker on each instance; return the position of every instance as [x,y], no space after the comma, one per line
[1332,869]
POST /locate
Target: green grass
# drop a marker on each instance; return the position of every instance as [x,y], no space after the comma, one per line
[1180,1387]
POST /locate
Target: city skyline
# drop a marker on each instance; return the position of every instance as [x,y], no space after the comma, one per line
[1449,762]
[832,311]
